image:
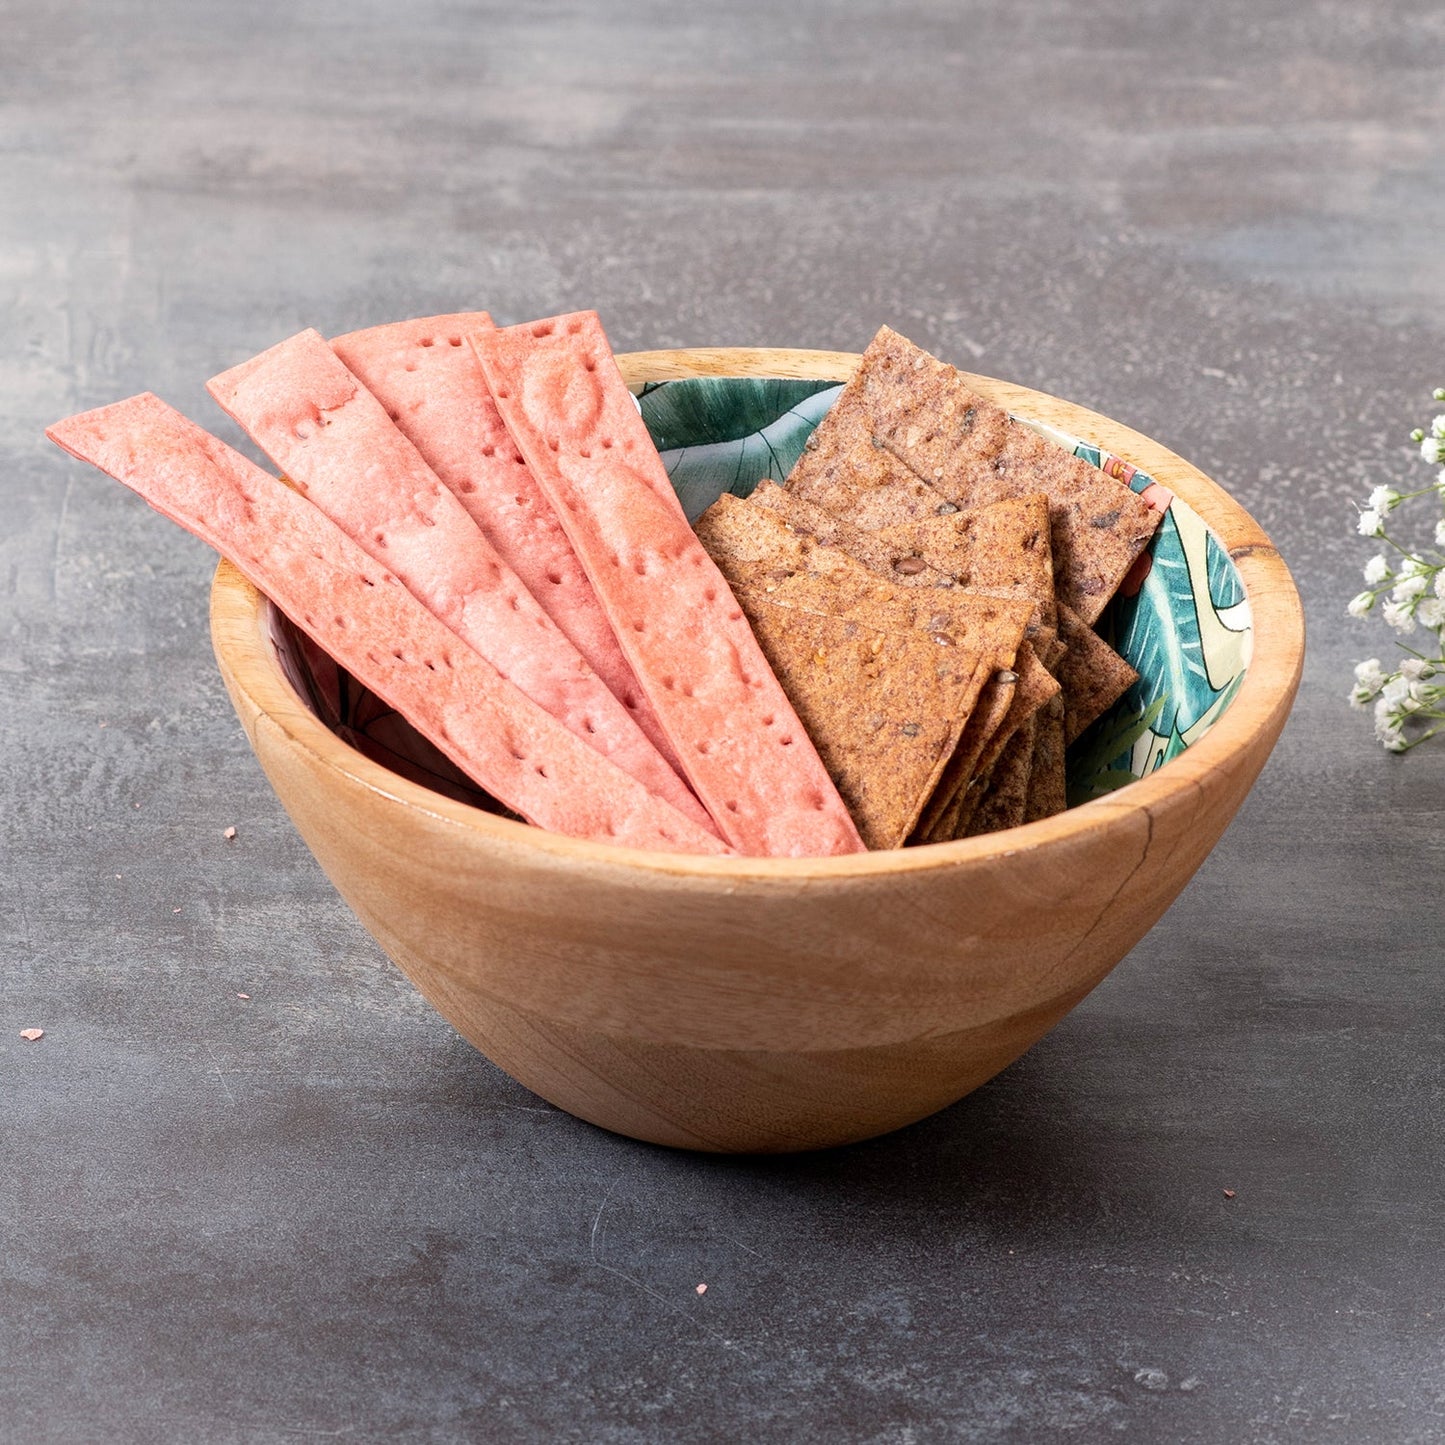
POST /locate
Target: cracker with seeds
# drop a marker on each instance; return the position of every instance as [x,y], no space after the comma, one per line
[1003,548]
[969,452]
[1031,688]
[1000,550]
[1093,675]
[754,547]
[1002,801]
[844,471]
[1047,793]
[901,562]
[884,707]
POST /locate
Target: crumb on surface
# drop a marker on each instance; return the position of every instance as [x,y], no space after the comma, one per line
[30,1035]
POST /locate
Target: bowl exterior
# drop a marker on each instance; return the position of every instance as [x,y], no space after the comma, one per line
[762,1004]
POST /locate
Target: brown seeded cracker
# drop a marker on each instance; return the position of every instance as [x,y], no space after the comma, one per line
[972,452]
[984,721]
[754,547]
[1093,675]
[1032,687]
[1003,548]
[842,470]
[883,708]
[1001,804]
[1047,793]
[767,562]
[1036,687]
[1000,550]
[901,563]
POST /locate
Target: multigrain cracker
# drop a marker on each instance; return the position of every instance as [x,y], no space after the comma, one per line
[1002,548]
[754,547]
[1001,802]
[884,708]
[1047,792]
[901,562]
[1031,687]
[1094,677]
[969,452]
[767,561]
[845,472]
[986,718]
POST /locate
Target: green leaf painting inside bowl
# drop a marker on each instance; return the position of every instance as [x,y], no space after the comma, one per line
[1181,618]
[726,433]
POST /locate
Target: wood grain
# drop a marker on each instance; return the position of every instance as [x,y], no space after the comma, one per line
[768,1004]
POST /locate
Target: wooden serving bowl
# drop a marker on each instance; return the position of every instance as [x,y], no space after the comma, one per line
[755,1004]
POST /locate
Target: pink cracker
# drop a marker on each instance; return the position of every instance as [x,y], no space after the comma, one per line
[336,442]
[366,619]
[427,377]
[746,754]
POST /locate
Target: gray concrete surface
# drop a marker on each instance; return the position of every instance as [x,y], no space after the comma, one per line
[316,1213]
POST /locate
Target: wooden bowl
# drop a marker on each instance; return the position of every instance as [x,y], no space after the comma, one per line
[767,1004]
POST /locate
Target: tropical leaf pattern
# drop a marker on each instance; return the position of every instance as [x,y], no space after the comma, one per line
[1186,628]
[722,434]
[1181,618]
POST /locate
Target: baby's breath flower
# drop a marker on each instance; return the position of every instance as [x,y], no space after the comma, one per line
[1370,674]
[1408,582]
[1388,726]
[1399,616]
[1395,693]
[1378,568]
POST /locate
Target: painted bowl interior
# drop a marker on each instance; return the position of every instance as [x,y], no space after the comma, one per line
[1181,617]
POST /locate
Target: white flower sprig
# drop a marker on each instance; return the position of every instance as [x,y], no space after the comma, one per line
[1410,701]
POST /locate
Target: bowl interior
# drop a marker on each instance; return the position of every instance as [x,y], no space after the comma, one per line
[1181,618]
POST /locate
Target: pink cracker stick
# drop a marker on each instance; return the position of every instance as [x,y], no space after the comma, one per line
[430,382]
[746,754]
[336,442]
[367,620]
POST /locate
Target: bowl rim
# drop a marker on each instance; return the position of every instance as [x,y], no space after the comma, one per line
[241,639]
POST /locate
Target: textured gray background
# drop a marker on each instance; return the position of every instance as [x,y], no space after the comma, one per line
[319,1214]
